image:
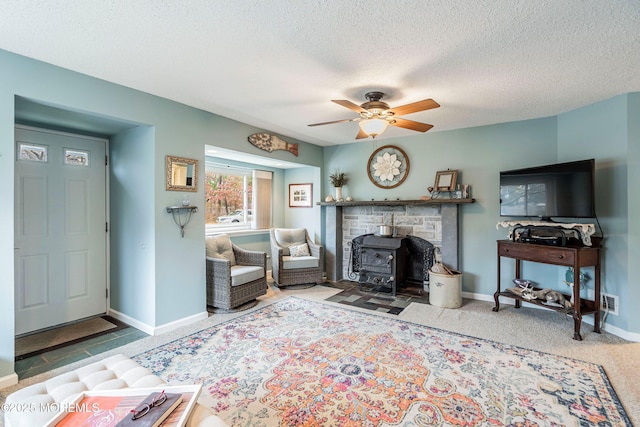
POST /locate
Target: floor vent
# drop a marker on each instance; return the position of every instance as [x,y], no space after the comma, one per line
[610,303]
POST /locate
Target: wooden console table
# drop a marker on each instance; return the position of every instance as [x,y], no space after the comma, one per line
[570,256]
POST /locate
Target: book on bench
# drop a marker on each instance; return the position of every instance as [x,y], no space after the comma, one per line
[108,407]
[152,413]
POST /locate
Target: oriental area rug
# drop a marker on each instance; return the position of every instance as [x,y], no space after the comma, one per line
[304,363]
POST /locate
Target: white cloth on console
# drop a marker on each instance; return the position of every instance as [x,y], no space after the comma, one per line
[585,230]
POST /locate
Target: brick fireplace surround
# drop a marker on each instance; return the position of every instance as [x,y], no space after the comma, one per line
[433,220]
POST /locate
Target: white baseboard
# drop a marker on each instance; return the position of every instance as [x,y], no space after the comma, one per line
[147,329]
[477,297]
[630,336]
[157,330]
[167,327]
[9,380]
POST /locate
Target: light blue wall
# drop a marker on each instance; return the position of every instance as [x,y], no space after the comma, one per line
[633,197]
[299,217]
[156,262]
[7,161]
[600,131]
[132,236]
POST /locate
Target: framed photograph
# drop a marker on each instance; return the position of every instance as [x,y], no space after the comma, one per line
[300,195]
[446,180]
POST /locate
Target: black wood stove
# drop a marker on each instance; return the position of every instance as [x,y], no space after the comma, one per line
[383,261]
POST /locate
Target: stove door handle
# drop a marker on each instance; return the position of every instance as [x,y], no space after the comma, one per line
[389,259]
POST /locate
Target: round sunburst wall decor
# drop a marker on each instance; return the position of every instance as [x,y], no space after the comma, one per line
[388,166]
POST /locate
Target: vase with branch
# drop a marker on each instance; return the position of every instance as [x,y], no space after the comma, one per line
[338,179]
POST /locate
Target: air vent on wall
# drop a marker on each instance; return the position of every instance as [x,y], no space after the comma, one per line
[610,303]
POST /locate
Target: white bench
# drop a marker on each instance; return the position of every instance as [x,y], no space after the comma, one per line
[115,372]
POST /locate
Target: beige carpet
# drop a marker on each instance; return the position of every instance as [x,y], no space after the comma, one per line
[65,334]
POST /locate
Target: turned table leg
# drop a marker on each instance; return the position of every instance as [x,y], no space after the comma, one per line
[496,296]
[577,322]
[577,314]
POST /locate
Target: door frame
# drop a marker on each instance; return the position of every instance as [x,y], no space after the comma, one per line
[107,198]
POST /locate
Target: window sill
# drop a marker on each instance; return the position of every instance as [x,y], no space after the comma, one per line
[235,231]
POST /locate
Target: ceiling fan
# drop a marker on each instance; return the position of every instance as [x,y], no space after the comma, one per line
[376,115]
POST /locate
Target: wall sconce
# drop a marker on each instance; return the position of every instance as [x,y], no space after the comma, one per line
[181,215]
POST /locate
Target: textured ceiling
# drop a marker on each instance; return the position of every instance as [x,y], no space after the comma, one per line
[276,64]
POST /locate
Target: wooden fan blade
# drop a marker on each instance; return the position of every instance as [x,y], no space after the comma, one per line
[425,104]
[362,134]
[335,121]
[350,105]
[410,124]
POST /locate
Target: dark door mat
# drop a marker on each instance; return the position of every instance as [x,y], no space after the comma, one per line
[65,335]
[376,299]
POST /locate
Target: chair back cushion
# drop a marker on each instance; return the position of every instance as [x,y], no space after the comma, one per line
[286,237]
[220,247]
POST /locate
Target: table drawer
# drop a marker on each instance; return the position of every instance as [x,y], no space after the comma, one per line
[537,253]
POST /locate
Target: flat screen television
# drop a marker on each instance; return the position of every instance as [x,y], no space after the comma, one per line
[561,190]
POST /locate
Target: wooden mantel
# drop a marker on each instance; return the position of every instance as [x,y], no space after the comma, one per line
[333,229]
[398,202]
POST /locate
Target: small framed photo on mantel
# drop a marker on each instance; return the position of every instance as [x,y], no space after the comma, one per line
[300,195]
[446,180]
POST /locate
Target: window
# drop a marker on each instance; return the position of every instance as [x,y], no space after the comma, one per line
[236,198]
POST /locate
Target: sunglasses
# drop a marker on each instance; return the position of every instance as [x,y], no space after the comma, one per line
[143,409]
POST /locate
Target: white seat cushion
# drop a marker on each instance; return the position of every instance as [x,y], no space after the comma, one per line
[292,263]
[241,274]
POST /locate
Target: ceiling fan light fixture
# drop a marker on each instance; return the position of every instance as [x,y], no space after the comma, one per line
[375,115]
[373,127]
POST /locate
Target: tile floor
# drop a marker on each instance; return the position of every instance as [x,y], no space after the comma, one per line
[43,362]
[375,299]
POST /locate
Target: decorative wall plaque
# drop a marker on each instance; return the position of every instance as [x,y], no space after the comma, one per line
[388,166]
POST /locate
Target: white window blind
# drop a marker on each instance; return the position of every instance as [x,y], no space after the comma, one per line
[262,199]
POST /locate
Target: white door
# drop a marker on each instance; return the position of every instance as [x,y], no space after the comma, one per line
[60,228]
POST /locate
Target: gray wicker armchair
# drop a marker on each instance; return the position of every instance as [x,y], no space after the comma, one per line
[234,275]
[293,263]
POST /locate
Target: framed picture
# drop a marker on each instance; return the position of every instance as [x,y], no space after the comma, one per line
[446,180]
[300,195]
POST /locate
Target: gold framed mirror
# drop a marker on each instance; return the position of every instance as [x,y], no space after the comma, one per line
[182,174]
